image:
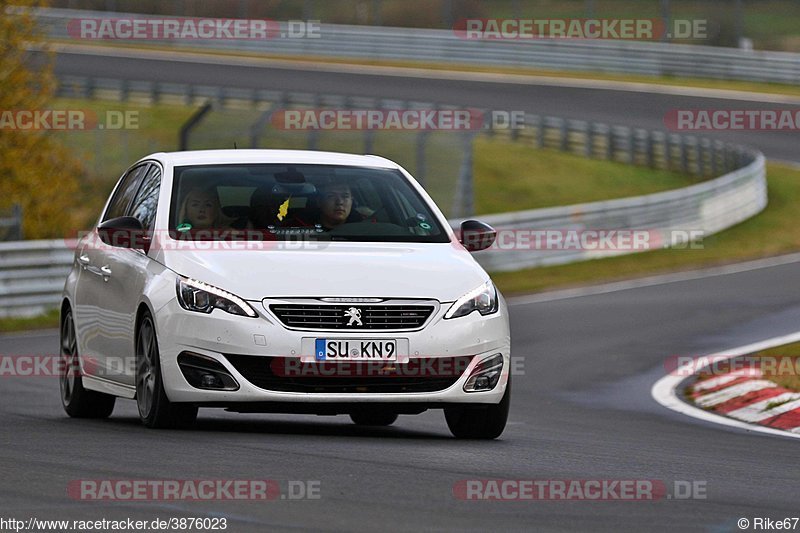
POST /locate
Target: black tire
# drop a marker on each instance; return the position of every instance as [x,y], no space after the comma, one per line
[155,409]
[373,418]
[480,422]
[77,401]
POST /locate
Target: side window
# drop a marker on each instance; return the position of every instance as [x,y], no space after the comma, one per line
[145,204]
[124,193]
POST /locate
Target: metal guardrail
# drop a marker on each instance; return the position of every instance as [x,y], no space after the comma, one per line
[32,275]
[707,208]
[671,151]
[444,46]
[32,272]
[654,149]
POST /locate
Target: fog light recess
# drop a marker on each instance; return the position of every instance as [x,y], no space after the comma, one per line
[206,373]
[485,375]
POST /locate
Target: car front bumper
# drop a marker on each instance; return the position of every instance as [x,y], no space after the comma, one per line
[217,334]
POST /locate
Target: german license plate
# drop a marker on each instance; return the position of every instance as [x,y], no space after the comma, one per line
[355,349]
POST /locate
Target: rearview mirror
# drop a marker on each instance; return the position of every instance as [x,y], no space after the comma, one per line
[124,232]
[476,235]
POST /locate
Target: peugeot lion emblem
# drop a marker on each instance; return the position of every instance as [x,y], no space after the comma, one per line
[355,316]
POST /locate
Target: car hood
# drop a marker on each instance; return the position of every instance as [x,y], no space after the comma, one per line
[389,270]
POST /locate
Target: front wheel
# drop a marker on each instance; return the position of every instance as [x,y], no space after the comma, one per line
[480,422]
[155,409]
[77,401]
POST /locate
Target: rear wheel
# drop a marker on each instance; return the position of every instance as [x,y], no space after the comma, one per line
[480,422]
[78,402]
[373,418]
[155,409]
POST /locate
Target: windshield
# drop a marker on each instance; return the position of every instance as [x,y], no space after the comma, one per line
[294,202]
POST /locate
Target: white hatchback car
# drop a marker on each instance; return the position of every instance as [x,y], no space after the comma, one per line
[283,281]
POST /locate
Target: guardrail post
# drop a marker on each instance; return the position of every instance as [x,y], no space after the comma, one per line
[541,133]
[588,140]
[701,157]
[631,144]
[714,157]
[191,94]
[514,128]
[16,232]
[684,156]
[650,149]
[667,152]
[88,89]
[665,17]
[729,161]
[124,90]
[610,143]
[488,128]
[564,134]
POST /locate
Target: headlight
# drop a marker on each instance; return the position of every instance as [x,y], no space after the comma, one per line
[197,296]
[482,299]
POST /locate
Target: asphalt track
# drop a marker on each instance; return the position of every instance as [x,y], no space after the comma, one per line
[637,109]
[581,409]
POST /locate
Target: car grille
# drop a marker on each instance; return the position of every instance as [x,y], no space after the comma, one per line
[322,316]
[288,374]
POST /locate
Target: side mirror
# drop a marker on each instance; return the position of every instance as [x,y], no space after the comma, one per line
[124,232]
[476,236]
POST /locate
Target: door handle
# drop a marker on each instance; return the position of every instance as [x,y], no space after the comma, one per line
[84,259]
[105,270]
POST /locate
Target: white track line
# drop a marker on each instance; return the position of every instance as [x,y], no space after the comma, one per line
[728,393]
[713,383]
[651,281]
[664,391]
[756,412]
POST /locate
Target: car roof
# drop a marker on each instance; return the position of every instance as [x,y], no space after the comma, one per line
[206,157]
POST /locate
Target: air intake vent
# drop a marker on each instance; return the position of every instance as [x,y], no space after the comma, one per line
[352,317]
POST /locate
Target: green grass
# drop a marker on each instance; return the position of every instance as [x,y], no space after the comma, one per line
[515,176]
[772,232]
[47,320]
[107,153]
[509,175]
[783,365]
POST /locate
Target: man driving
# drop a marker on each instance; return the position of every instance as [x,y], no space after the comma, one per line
[335,204]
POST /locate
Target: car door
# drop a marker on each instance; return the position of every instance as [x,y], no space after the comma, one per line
[92,323]
[124,282]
